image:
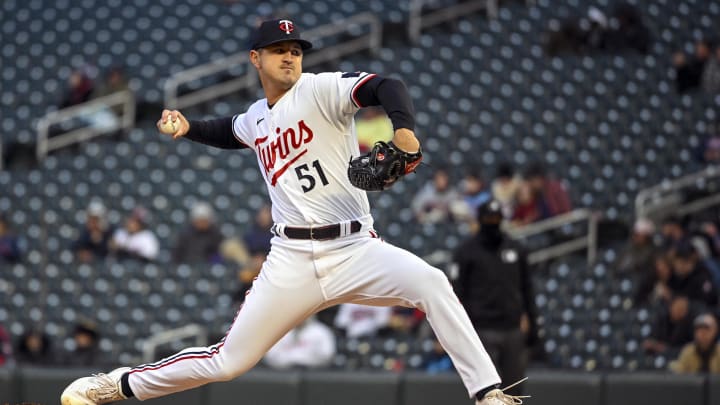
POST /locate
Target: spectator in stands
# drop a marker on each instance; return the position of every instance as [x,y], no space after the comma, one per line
[255,248]
[691,278]
[653,286]
[710,80]
[80,87]
[504,315]
[309,345]
[688,73]
[257,238]
[595,38]
[505,188]
[135,240]
[685,79]
[35,349]
[710,151]
[672,232]
[11,245]
[703,354]
[672,327]
[6,352]
[624,30]
[200,241]
[408,322]
[710,229]
[475,192]
[529,206]
[437,201]
[115,81]
[639,252]
[705,244]
[94,240]
[563,38]
[438,361]
[553,192]
[372,125]
[630,32]
[362,320]
[86,350]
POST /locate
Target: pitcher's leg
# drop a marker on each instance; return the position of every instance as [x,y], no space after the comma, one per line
[268,313]
[382,274]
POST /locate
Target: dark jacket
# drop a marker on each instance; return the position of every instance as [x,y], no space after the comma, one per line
[493,284]
[674,334]
[697,286]
[83,357]
[98,247]
[194,246]
[257,240]
[42,356]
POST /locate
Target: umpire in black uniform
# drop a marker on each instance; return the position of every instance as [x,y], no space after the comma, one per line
[490,276]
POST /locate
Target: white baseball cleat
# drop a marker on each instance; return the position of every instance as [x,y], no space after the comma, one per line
[499,397]
[97,389]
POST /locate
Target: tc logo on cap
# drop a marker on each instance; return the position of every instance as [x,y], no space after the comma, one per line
[287,26]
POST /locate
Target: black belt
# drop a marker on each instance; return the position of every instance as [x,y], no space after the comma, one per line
[321,232]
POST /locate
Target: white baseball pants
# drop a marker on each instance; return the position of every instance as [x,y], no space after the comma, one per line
[301,277]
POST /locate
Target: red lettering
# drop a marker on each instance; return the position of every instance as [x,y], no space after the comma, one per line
[277,149]
[265,159]
[285,145]
[290,140]
[258,141]
[308,132]
[295,141]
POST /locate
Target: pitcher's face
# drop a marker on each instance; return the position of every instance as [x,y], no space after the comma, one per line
[279,64]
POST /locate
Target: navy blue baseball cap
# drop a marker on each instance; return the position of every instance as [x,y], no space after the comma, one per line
[274,31]
[490,212]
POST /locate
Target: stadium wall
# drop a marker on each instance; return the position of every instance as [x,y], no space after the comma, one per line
[43,386]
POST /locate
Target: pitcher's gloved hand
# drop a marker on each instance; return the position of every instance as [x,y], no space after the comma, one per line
[381,167]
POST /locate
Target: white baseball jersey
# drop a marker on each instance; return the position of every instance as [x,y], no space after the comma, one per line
[303,145]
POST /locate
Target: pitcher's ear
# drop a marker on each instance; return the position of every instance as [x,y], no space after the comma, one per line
[254,57]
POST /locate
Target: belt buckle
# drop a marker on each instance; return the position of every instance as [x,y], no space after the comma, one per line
[312,236]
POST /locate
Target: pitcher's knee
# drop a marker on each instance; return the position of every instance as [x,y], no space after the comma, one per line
[433,281]
[231,368]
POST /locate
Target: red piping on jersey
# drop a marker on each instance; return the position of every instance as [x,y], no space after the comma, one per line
[206,355]
[279,172]
[357,86]
[214,349]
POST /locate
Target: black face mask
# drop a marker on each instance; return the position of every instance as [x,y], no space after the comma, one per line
[490,234]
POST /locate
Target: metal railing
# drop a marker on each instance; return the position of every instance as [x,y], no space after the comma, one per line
[105,121]
[587,240]
[668,197]
[417,21]
[151,344]
[372,40]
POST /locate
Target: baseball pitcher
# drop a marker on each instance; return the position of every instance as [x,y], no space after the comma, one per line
[324,250]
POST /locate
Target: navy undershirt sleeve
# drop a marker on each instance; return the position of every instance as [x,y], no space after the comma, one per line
[393,96]
[216,132]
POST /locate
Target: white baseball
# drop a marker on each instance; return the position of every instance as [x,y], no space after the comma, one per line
[169,126]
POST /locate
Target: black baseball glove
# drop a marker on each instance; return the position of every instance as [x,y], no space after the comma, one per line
[381,167]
